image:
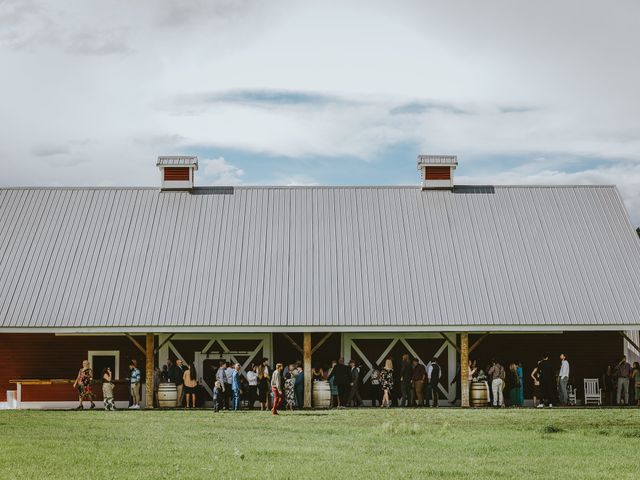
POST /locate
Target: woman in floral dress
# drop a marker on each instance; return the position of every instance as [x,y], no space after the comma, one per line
[290,390]
[84,384]
[386,382]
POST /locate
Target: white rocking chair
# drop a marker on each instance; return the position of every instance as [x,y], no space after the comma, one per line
[592,391]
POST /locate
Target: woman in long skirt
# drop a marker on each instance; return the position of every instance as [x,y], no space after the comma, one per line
[107,389]
[290,391]
[84,385]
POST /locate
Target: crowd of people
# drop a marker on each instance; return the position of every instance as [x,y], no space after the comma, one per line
[412,384]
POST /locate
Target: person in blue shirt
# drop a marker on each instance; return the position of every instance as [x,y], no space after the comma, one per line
[134,384]
[235,387]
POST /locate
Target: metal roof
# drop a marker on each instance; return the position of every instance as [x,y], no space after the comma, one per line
[174,161]
[451,160]
[317,258]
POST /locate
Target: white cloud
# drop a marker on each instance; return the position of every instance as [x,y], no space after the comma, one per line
[217,171]
[98,83]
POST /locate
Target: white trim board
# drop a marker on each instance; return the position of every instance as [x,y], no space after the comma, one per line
[319,329]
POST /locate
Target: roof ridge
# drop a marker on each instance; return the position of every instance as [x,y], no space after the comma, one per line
[245,187]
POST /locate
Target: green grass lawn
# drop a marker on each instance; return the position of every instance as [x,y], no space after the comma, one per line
[346,444]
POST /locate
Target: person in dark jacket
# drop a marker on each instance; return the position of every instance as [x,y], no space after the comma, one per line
[354,395]
[434,380]
[176,374]
[341,379]
[299,386]
[547,382]
[406,374]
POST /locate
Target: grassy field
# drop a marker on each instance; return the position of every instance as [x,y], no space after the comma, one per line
[347,444]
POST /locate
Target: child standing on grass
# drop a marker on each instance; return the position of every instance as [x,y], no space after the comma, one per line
[218,396]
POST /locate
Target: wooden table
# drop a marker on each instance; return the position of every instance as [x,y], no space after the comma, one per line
[48,381]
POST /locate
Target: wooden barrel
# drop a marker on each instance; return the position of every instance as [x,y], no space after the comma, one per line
[479,394]
[321,394]
[167,395]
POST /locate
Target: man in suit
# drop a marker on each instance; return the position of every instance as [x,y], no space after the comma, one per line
[434,379]
[547,382]
[235,387]
[341,379]
[176,375]
[354,395]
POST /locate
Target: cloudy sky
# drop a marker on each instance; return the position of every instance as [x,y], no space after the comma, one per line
[291,92]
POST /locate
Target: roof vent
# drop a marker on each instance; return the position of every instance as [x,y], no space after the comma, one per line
[177,172]
[436,171]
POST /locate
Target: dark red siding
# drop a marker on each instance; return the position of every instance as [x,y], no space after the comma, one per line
[46,356]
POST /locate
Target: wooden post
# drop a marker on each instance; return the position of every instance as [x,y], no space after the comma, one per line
[149,370]
[464,369]
[307,369]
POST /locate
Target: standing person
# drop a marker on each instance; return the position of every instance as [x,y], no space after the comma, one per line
[417,378]
[376,392]
[563,381]
[266,373]
[497,375]
[520,372]
[157,378]
[623,370]
[434,381]
[228,374]
[252,385]
[609,385]
[236,387]
[386,381]
[354,395]
[264,387]
[290,390]
[176,374]
[299,386]
[164,375]
[547,382]
[635,378]
[84,385]
[535,376]
[218,395]
[107,389]
[335,398]
[134,384]
[342,377]
[406,372]
[513,385]
[190,381]
[221,376]
[276,387]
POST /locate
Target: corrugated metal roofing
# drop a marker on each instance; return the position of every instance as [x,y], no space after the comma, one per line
[317,258]
[173,161]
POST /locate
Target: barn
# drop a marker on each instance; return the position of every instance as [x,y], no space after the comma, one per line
[435,269]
